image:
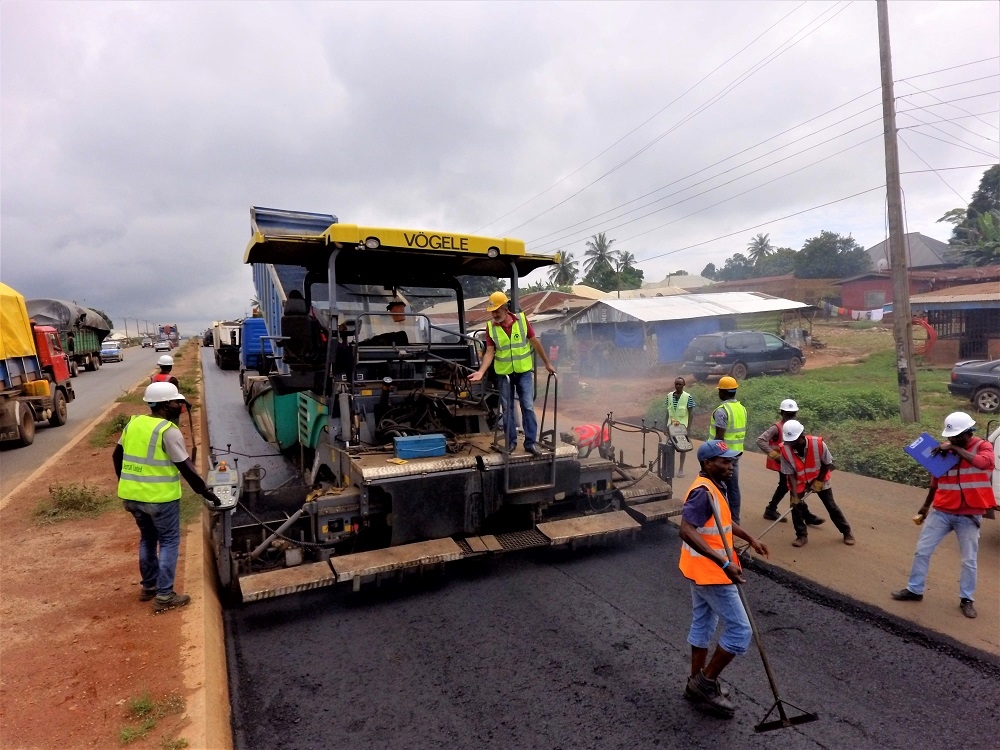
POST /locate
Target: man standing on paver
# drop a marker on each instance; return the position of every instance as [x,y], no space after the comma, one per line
[680,407]
[729,423]
[960,498]
[807,464]
[150,460]
[713,575]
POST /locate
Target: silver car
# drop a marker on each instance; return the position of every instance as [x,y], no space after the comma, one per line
[111,351]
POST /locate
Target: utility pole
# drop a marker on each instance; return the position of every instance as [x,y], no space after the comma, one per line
[906,374]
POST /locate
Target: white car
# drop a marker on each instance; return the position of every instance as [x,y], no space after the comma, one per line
[161,346]
[111,351]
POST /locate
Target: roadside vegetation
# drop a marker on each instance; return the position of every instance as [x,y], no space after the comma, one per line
[108,431]
[854,407]
[72,501]
[143,713]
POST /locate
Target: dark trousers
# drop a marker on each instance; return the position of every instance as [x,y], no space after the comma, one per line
[733,492]
[801,512]
[779,493]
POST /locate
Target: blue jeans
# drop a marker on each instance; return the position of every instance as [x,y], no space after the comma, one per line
[936,528]
[523,383]
[715,602]
[159,524]
[733,492]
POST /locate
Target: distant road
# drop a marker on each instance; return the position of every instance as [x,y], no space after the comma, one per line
[95,392]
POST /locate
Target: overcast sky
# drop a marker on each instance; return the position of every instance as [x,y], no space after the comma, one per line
[136,136]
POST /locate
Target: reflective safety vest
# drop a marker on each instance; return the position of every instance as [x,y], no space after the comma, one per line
[591,435]
[513,353]
[679,411]
[775,443]
[736,425]
[700,569]
[161,377]
[148,474]
[964,487]
[806,468]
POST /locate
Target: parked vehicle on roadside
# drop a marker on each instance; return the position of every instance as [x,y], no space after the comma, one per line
[162,346]
[740,354]
[147,342]
[979,381]
[111,351]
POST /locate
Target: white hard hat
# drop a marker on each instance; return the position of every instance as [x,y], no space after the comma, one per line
[157,393]
[165,360]
[788,405]
[956,423]
[791,430]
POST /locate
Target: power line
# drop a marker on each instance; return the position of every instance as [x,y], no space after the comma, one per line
[953,67]
[960,144]
[948,169]
[913,151]
[952,121]
[951,101]
[757,67]
[746,229]
[648,119]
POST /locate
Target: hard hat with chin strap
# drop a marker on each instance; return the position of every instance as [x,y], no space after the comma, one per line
[497,300]
[158,393]
[956,423]
[791,430]
[165,361]
[788,405]
[728,383]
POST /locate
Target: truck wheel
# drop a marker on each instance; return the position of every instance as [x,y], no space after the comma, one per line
[27,436]
[59,411]
[74,370]
[97,362]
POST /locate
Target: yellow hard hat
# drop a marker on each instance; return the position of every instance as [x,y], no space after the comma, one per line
[497,300]
[728,383]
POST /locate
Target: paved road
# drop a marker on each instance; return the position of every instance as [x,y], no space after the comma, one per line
[588,650]
[95,392]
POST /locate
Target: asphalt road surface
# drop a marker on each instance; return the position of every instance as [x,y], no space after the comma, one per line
[95,392]
[588,650]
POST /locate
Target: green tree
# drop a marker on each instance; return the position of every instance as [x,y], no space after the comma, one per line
[608,280]
[738,267]
[564,273]
[599,254]
[781,261]
[831,256]
[759,248]
[709,272]
[480,286]
[975,227]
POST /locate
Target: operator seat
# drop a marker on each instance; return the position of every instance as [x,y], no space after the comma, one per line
[300,334]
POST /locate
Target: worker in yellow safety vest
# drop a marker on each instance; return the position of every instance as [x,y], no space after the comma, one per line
[729,423]
[150,460]
[509,341]
[713,572]
[680,407]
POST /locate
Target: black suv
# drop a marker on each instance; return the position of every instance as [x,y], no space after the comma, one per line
[978,381]
[740,353]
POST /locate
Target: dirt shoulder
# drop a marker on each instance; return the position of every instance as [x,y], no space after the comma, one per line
[84,663]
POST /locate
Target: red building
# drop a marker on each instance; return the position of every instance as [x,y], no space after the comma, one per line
[871,291]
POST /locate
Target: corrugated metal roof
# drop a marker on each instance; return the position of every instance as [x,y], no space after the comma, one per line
[685,306]
[985,295]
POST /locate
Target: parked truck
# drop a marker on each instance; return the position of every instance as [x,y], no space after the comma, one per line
[34,372]
[400,462]
[226,340]
[81,330]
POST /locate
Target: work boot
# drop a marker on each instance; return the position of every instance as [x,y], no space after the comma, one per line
[175,600]
[849,539]
[534,450]
[772,515]
[905,595]
[967,609]
[800,541]
[815,521]
[146,594]
[703,690]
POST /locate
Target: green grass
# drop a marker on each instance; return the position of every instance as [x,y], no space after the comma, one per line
[108,431]
[130,398]
[178,744]
[146,712]
[855,408]
[70,501]
[191,505]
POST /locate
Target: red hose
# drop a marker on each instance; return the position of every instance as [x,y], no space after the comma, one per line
[928,346]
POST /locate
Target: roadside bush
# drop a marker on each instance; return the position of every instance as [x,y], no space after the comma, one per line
[72,501]
[108,431]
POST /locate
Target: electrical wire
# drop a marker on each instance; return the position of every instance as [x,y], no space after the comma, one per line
[950,143]
[948,169]
[912,151]
[921,91]
[757,67]
[953,67]
[644,122]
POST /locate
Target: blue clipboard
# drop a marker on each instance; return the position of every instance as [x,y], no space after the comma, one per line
[937,464]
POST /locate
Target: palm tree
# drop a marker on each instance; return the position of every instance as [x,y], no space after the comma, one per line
[759,248]
[564,273]
[599,253]
[625,261]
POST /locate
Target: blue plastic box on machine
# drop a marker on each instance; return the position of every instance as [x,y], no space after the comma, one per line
[420,446]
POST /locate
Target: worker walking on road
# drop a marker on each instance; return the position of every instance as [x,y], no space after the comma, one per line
[960,498]
[509,341]
[713,575]
[680,407]
[807,464]
[166,363]
[150,460]
[770,442]
[729,423]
